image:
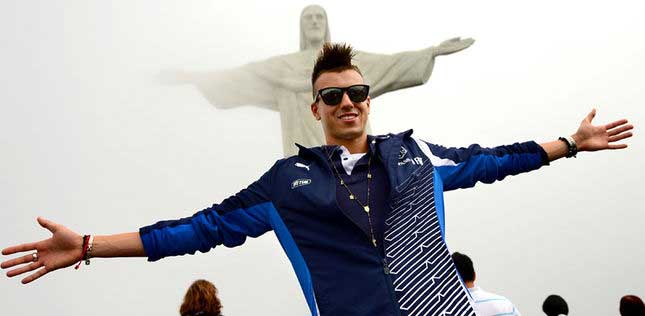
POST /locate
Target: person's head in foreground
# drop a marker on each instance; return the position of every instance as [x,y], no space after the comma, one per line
[631,305]
[201,300]
[555,305]
[341,97]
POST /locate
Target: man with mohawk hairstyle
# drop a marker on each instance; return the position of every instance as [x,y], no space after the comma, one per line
[361,218]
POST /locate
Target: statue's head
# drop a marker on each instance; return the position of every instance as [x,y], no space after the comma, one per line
[314,29]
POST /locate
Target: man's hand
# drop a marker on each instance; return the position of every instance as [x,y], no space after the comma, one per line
[452,45]
[599,137]
[61,250]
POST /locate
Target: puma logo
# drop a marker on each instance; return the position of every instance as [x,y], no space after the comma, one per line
[301,165]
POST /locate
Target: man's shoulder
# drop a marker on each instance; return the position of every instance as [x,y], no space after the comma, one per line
[402,134]
[306,156]
[280,163]
[482,295]
[488,303]
[407,134]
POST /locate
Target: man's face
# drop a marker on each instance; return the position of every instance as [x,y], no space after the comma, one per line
[346,120]
[314,23]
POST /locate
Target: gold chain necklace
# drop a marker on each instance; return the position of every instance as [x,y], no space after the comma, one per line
[352,196]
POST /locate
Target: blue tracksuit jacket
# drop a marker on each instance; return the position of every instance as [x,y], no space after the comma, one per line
[340,272]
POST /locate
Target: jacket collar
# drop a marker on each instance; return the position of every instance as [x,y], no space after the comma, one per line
[387,146]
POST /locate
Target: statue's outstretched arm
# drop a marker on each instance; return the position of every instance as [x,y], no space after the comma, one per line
[451,46]
[285,82]
[227,88]
[386,73]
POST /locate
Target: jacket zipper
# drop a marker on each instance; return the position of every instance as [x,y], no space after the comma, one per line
[388,281]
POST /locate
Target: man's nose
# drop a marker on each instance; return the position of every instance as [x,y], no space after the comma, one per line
[345,101]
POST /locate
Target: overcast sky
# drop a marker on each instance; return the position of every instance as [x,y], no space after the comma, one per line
[90,139]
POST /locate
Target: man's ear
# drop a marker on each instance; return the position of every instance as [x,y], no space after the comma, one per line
[314,110]
[368,104]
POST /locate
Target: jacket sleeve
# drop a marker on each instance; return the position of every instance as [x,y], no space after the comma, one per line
[464,167]
[229,223]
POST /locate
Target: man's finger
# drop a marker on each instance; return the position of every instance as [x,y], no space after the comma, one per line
[617,146]
[616,123]
[590,116]
[19,248]
[45,223]
[25,268]
[35,275]
[17,261]
[618,137]
[619,130]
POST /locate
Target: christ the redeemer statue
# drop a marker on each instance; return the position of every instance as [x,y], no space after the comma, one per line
[282,83]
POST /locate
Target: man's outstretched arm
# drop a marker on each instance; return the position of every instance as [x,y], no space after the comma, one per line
[245,214]
[64,249]
[464,167]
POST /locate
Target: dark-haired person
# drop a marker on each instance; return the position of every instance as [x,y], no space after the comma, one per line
[555,305]
[486,303]
[631,305]
[201,300]
[361,219]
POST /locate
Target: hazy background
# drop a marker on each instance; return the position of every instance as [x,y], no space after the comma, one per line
[89,139]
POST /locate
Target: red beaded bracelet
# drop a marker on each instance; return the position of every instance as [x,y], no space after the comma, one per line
[86,247]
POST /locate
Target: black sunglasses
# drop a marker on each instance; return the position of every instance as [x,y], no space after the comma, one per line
[333,95]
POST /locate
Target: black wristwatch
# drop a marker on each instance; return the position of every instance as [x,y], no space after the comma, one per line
[572,147]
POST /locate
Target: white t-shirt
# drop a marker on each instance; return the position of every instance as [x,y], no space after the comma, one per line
[490,304]
[349,160]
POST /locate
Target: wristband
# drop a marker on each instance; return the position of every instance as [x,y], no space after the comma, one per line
[87,244]
[572,147]
[88,253]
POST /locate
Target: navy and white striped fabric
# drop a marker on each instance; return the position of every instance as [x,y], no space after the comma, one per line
[424,276]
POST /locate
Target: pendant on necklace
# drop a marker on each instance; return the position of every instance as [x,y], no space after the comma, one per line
[351,196]
[369,176]
[374,242]
[342,182]
[366,208]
